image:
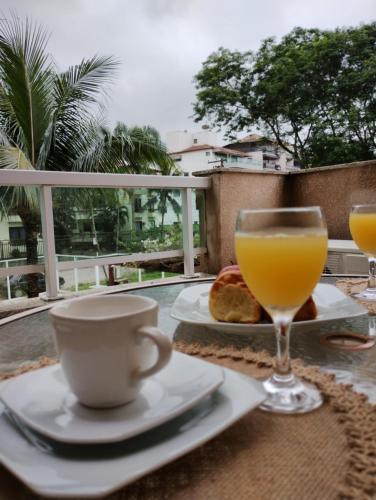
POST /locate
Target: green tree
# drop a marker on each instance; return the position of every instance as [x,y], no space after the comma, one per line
[314,92]
[163,198]
[109,214]
[52,121]
[133,150]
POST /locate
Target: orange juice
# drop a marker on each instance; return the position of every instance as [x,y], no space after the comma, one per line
[363,232]
[281,266]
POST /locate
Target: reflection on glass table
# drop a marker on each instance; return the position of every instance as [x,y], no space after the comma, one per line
[25,339]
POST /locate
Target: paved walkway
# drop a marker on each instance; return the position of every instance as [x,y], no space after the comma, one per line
[86,275]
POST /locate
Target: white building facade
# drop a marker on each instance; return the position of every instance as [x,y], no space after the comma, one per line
[195,151]
[274,157]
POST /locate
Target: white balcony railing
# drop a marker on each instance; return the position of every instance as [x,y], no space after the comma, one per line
[46,180]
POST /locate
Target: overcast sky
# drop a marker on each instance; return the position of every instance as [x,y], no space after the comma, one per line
[161,44]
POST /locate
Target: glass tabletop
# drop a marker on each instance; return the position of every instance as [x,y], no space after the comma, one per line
[25,339]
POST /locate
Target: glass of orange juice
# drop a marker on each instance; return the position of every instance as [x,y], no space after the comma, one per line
[281,254]
[363,232]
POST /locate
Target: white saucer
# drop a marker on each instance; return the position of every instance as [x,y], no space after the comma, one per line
[42,400]
[100,470]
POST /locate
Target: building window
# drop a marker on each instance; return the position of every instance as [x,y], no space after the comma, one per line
[194,141]
[207,153]
[86,226]
[16,234]
[152,223]
[151,207]
[137,205]
[138,224]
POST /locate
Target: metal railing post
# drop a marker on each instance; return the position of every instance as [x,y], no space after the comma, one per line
[8,282]
[187,221]
[97,279]
[75,273]
[48,234]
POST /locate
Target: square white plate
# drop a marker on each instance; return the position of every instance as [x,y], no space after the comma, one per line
[98,470]
[43,401]
[191,306]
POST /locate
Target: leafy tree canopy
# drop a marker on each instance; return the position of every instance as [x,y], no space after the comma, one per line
[314,92]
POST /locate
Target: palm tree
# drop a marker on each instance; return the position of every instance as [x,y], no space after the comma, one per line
[140,150]
[134,149]
[162,198]
[53,121]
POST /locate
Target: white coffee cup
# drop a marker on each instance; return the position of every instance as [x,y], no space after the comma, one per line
[106,346]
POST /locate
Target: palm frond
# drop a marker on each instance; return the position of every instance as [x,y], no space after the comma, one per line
[176,206]
[26,77]
[75,93]
[142,149]
[19,200]
[12,157]
[96,151]
[86,80]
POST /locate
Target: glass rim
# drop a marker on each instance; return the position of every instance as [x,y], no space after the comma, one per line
[367,205]
[315,208]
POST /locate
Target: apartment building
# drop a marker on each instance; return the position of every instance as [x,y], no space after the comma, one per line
[195,151]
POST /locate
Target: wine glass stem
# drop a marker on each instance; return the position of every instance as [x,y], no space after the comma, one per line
[282,370]
[372,273]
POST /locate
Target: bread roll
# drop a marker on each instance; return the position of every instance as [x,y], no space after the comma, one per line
[307,311]
[231,301]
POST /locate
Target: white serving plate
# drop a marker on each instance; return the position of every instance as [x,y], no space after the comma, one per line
[98,470]
[191,306]
[42,400]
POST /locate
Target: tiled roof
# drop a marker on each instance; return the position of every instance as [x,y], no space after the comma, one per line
[205,147]
[251,138]
[196,147]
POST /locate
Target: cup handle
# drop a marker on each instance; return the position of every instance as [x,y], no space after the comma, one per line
[164,347]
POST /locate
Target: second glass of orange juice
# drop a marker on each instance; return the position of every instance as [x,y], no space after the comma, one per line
[363,231]
[281,254]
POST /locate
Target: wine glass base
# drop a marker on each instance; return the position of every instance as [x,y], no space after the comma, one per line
[290,395]
[369,294]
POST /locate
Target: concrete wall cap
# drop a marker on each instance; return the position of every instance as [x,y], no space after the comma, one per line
[367,163]
[237,170]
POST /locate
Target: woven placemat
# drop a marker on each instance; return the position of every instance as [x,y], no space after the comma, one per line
[351,286]
[327,454]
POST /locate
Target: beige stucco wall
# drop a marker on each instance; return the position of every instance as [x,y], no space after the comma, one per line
[334,188]
[231,190]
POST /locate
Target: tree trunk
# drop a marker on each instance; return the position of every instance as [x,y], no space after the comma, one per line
[162,225]
[163,207]
[30,223]
[94,228]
